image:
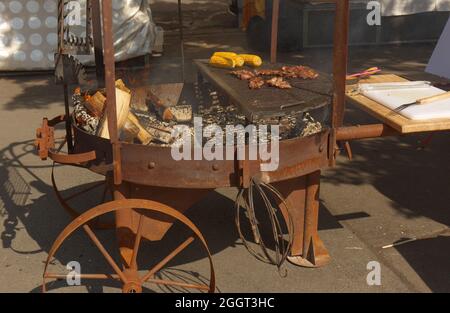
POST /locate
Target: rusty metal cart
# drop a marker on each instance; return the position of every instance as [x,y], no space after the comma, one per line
[152,191]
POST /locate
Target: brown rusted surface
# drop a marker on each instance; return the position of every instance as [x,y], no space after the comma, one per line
[298,157]
[302,196]
[154,166]
[126,224]
[340,62]
[45,140]
[314,253]
[294,190]
[340,59]
[97,41]
[110,80]
[149,172]
[314,250]
[45,144]
[85,142]
[156,225]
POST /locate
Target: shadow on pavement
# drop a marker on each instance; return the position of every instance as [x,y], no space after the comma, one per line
[415,180]
[430,259]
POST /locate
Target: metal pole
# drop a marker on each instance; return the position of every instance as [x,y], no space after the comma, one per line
[340,59]
[274,36]
[180,21]
[98,45]
[110,78]
[365,132]
[69,135]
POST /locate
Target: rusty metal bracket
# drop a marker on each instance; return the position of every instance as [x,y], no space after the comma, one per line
[45,145]
[45,140]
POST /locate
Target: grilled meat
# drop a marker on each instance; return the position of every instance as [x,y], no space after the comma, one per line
[243,74]
[256,83]
[303,72]
[269,73]
[275,78]
[279,82]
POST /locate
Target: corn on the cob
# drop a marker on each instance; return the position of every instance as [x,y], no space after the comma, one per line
[218,61]
[225,54]
[239,61]
[251,60]
[231,55]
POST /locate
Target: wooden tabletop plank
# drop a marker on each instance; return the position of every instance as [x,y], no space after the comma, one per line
[388,116]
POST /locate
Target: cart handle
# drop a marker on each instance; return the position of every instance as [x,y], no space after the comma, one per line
[45,144]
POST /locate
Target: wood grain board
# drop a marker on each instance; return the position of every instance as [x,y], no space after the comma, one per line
[389,117]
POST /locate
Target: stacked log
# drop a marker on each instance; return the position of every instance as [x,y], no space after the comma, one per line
[127,122]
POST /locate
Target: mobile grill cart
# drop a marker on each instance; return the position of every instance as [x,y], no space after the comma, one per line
[152,191]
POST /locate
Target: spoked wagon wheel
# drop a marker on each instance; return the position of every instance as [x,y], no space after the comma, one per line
[130,277]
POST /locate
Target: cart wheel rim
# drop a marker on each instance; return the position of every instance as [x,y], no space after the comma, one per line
[128,204]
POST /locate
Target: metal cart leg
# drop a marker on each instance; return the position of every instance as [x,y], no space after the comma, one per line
[302,194]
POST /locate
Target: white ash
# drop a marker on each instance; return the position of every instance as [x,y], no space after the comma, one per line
[82,117]
[312,126]
[211,109]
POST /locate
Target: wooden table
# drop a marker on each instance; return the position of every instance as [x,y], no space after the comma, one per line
[388,116]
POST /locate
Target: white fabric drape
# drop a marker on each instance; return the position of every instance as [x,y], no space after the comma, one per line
[407,7]
[28,32]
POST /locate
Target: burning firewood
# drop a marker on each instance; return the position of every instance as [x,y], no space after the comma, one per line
[168,112]
[90,115]
[139,96]
[83,118]
[121,85]
[279,82]
[95,104]
[181,113]
[160,131]
[142,134]
[123,100]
